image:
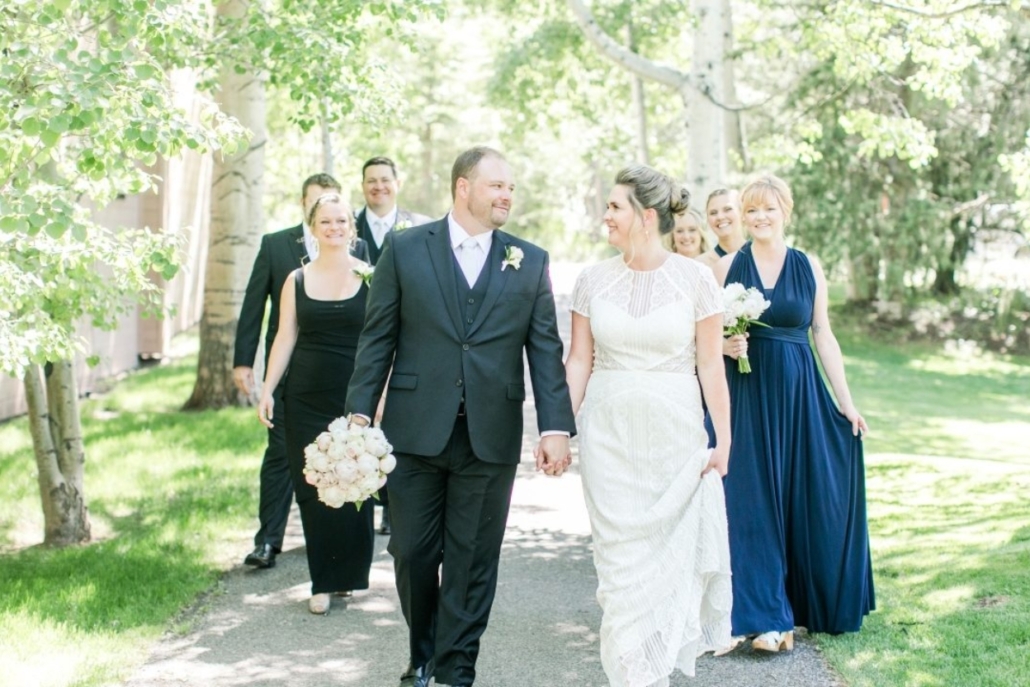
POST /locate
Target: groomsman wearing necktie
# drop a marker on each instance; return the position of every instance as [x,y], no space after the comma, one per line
[280,254]
[380,184]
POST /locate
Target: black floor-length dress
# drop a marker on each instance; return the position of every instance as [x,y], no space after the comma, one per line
[340,541]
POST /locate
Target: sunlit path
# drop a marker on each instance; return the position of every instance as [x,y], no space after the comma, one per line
[255,629]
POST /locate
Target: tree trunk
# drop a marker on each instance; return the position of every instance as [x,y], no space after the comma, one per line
[639,103]
[328,163]
[706,118]
[945,281]
[60,456]
[237,223]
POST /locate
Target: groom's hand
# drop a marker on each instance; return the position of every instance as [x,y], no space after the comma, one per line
[552,454]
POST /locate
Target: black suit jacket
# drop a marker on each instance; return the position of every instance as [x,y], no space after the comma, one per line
[405,219]
[413,323]
[281,252]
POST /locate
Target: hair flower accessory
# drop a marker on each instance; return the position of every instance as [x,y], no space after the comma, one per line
[512,258]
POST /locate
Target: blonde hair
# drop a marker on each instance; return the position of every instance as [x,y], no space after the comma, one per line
[669,239]
[332,199]
[764,187]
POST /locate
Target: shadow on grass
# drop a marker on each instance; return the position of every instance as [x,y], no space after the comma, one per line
[163,488]
[918,401]
[951,555]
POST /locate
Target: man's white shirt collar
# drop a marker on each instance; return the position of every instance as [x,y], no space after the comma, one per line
[310,244]
[380,226]
[458,235]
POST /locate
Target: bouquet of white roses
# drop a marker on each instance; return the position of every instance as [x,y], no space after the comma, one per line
[743,308]
[348,464]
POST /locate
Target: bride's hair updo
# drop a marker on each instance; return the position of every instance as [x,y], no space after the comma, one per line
[649,189]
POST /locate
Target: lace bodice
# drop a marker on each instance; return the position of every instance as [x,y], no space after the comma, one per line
[645,321]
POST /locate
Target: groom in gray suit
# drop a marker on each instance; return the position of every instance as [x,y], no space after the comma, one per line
[452,307]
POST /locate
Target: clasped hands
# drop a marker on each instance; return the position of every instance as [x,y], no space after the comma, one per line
[553,455]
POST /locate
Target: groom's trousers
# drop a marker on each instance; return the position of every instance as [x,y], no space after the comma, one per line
[448,510]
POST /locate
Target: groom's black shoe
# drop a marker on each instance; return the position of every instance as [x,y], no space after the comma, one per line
[263,556]
[417,677]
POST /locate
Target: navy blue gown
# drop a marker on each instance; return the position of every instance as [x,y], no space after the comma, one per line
[795,492]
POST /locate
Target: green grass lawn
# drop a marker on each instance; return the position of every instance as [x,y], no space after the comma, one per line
[948,480]
[172,496]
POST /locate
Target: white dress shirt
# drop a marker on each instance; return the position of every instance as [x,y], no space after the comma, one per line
[310,244]
[471,251]
[380,226]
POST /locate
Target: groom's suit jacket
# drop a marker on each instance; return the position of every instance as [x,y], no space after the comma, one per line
[405,218]
[281,252]
[415,323]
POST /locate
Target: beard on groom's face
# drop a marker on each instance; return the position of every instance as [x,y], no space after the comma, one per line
[490,192]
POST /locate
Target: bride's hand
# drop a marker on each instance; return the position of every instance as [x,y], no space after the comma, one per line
[718,460]
[735,346]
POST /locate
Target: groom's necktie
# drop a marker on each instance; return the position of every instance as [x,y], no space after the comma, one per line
[471,258]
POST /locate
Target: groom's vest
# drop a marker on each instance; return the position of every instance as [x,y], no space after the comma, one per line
[470,298]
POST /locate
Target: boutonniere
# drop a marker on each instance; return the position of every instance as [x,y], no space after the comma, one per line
[365,272]
[402,225]
[512,258]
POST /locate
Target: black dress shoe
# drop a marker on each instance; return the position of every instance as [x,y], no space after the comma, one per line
[417,677]
[384,524]
[263,556]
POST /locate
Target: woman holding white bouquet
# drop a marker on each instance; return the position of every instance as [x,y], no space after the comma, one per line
[322,310]
[642,322]
[795,498]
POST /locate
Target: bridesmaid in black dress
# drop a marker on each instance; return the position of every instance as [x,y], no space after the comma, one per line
[322,310]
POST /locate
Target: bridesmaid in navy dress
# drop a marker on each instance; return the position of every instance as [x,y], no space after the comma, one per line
[795,492]
[722,211]
[321,313]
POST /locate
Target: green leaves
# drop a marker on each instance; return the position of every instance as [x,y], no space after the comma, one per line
[87,103]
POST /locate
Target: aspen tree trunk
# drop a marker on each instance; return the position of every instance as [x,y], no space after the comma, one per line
[53,407]
[237,223]
[706,119]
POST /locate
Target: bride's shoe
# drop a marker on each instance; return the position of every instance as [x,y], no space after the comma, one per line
[734,643]
[774,641]
[319,604]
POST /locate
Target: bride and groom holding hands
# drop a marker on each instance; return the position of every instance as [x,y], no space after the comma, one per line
[453,307]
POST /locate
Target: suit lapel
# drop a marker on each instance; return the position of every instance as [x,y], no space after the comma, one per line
[438,242]
[297,245]
[498,279]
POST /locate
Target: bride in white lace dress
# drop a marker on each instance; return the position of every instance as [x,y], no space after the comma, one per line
[641,323]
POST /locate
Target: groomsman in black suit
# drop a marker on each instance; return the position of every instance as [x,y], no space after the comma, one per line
[280,254]
[453,306]
[380,184]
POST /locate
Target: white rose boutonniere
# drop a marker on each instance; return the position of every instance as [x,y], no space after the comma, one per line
[365,272]
[402,225]
[512,258]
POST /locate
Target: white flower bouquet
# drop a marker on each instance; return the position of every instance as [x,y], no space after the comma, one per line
[743,308]
[348,464]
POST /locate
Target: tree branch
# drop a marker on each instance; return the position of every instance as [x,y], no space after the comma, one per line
[622,56]
[946,14]
[642,66]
